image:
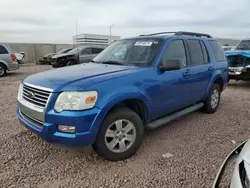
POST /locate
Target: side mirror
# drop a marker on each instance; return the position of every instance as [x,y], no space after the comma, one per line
[170,64]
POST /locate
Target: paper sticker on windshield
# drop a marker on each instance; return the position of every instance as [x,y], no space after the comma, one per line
[143,43]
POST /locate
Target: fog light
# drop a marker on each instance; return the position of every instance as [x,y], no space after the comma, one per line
[66,128]
[237,73]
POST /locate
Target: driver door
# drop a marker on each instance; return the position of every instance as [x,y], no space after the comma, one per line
[173,92]
[86,55]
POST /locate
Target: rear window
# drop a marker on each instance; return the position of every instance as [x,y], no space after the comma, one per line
[3,50]
[196,52]
[217,50]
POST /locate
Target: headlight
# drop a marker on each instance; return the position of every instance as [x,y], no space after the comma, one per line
[75,100]
[20,91]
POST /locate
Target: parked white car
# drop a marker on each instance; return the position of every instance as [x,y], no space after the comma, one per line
[19,56]
[241,173]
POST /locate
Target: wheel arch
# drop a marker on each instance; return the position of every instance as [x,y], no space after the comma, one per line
[136,102]
[4,64]
[218,79]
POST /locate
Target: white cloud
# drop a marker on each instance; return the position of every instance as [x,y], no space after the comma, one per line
[54,20]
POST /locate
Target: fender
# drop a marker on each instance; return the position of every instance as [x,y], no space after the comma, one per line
[106,105]
[6,64]
[217,74]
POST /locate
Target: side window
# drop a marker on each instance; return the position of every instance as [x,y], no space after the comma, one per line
[196,52]
[86,51]
[97,50]
[3,50]
[176,50]
[205,54]
[217,50]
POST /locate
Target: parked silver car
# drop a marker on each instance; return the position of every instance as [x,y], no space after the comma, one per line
[8,61]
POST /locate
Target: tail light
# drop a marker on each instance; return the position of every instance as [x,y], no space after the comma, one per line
[13,57]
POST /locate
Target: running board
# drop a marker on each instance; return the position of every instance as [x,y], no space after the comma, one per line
[159,122]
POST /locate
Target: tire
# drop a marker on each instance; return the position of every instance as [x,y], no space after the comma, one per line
[69,63]
[125,118]
[213,99]
[3,70]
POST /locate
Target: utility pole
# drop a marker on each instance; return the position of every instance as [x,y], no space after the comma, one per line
[110,28]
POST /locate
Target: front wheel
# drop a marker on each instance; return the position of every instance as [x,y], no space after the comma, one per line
[69,63]
[120,135]
[3,70]
[213,99]
[55,66]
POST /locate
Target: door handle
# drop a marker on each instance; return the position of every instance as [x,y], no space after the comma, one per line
[210,68]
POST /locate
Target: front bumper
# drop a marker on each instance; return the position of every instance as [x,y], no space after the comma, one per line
[58,62]
[239,73]
[86,123]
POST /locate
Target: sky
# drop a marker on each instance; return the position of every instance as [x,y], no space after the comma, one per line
[54,21]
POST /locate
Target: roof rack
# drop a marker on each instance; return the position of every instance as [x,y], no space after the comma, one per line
[180,33]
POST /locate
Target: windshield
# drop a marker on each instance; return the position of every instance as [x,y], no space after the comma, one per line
[139,52]
[67,50]
[74,51]
[244,45]
[61,51]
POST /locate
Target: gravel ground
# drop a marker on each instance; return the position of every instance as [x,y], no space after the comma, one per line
[195,146]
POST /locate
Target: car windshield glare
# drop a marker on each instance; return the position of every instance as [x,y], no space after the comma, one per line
[61,51]
[74,51]
[140,52]
[243,45]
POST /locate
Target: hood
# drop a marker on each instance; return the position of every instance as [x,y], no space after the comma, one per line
[245,53]
[50,54]
[61,55]
[67,78]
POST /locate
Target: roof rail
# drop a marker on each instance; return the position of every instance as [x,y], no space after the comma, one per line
[180,33]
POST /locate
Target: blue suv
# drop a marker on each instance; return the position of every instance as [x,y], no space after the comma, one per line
[134,84]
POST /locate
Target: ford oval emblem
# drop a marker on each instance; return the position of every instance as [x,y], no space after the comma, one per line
[30,94]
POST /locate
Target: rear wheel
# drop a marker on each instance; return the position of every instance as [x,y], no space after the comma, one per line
[213,99]
[120,135]
[3,70]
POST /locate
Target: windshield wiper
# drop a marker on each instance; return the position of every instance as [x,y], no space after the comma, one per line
[112,62]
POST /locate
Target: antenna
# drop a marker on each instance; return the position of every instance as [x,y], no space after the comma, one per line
[78,58]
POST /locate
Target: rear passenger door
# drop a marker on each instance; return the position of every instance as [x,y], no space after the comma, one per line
[200,69]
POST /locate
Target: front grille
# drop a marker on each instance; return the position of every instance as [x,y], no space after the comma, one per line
[35,96]
[236,61]
[32,120]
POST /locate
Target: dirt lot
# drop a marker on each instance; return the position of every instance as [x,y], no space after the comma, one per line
[198,142]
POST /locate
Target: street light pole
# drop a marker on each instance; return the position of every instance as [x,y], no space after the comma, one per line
[110,27]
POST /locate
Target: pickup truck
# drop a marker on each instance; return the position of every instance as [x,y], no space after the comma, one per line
[134,84]
[239,61]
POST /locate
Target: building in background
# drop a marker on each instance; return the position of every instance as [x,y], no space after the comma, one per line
[94,40]
[228,42]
